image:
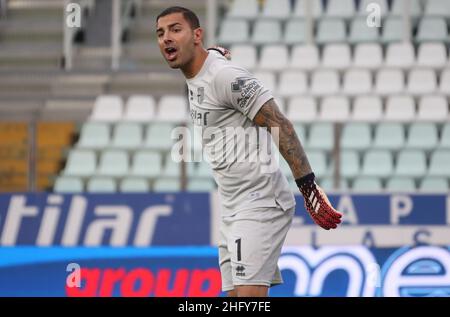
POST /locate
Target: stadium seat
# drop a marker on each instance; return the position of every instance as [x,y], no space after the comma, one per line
[292,83]
[94,135]
[244,55]
[367,184]
[360,32]
[389,136]
[389,81]
[267,79]
[247,9]
[422,136]
[172,108]
[134,185]
[300,130]
[444,86]
[331,31]
[335,108]
[336,56]
[367,108]
[276,9]
[439,163]
[113,163]
[393,30]
[422,81]
[434,185]
[234,32]
[325,83]
[101,185]
[400,184]
[377,163]
[433,108]
[295,32]
[158,136]
[445,137]
[400,108]
[146,164]
[203,170]
[363,6]
[171,167]
[357,82]
[349,165]
[415,8]
[301,5]
[368,55]
[321,136]
[356,136]
[200,185]
[80,163]
[302,109]
[318,162]
[432,29]
[327,184]
[432,55]
[68,185]
[140,108]
[400,55]
[266,32]
[305,57]
[127,136]
[166,185]
[107,108]
[274,58]
[411,163]
[437,8]
[344,9]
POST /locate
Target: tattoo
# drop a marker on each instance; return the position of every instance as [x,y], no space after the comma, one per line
[290,147]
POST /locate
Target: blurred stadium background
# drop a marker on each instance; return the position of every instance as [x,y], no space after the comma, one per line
[86,115]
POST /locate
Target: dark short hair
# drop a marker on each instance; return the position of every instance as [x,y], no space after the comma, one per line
[188,15]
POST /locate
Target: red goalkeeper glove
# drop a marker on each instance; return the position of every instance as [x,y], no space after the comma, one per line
[317,204]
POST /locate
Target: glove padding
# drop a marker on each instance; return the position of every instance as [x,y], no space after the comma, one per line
[318,206]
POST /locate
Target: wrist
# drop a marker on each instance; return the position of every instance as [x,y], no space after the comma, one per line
[305,181]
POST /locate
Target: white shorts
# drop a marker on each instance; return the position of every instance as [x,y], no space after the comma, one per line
[250,246]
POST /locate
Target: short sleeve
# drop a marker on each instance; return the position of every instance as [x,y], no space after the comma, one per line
[237,88]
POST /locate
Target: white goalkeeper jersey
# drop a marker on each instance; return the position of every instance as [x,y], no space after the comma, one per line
[224,99]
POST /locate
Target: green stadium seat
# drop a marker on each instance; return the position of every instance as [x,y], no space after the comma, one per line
[127,136]
[94,135]
[201,185]
[403,184]
[422,136]
[113,163]
[367,184]
[68,185]
[377,163]
[389,136]
[101,185]
[321,137]
[411,163]
[134,185]
[434,184]
[80,163]
[440,163]
[356,136]
[166,185]
[146,164]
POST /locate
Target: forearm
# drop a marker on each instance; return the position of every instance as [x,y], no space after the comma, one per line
[288,143]
[292,150]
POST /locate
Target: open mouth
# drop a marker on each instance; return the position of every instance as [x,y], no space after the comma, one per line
[171,53]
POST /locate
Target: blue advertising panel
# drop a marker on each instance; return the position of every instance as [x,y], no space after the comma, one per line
[105,219]
[193,271]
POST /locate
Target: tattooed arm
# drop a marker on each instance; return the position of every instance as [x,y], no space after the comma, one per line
[269,116]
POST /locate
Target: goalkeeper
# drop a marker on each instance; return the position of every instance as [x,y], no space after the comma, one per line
[257,203]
